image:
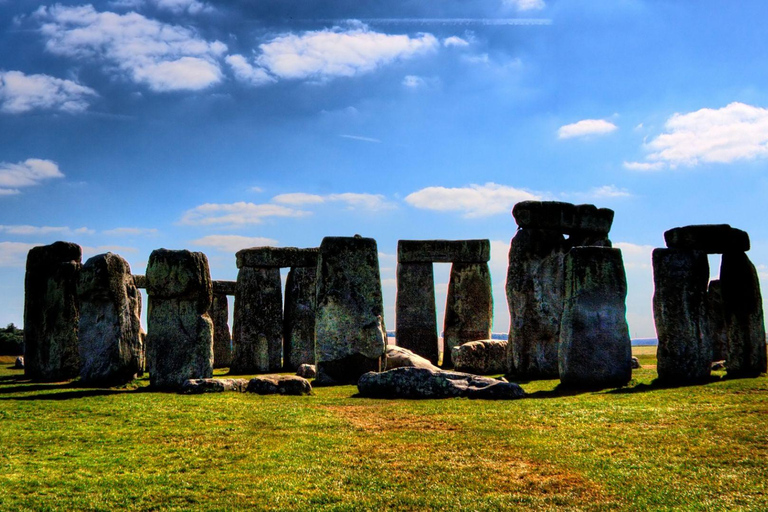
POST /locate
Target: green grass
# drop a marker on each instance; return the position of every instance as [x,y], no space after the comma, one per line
[637,448]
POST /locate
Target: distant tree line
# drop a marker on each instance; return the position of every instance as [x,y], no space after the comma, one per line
[11,341]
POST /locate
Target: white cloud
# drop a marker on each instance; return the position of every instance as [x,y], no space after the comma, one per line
[44,230]
[413,81]
[353,201]
[525,5]
[9,191]
[586,127]
[298,199]
[473,201]
[335,52]
[735,132]
[245,72]
[30,172]
[183,6]
[609,191]
[22,93]
[233,243]
[14,254]
[130,231]
[635,256]
[360,138]
[162,56]
[455,41]
[643,166]
[236,214]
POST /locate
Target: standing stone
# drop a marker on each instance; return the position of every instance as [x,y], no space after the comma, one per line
[299,320]
[684,352]
[222,341]
[51,312]
[415,311]
[595,350]
[110,325]
[179,328]
[535,300]
[258,321]
[350,334]
[468,307]
[714,322]
[743,308]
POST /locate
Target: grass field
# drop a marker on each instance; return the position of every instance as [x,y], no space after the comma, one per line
[636,448]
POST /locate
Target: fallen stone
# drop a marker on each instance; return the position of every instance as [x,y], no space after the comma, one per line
[19,364]
[563,217]
[51,313]
[413,382]
[299,317]
[482,357]
[276,257]
[199,386]
[443,251]
[595,350]
[468,307]
[307,371]
[709,238]
[399,357]
[222,339]
[279,385]
[635,363]
[415,312]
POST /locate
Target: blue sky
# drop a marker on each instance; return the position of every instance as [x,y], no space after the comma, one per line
[130,125]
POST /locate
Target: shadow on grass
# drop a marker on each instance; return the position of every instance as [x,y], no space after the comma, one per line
[59,390]
[657,384]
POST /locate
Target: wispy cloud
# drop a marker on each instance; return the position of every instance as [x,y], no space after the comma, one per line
[360,138]
[586,127]
[603,192]
[130,231]
[26,230]
[21,93]
[472,201]
[14,254]
[525,5]
[28,173]
[455,41]
[492,22]
[353,201]
[233,243]
[644,166]
[237,214]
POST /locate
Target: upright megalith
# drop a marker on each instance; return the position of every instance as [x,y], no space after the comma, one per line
[110,326]
[222,340]
[714,321]
[595,350]
[51,312]
[684,352]
[415,309]
[179,328]
[299,317]
[468,307]
[350,334]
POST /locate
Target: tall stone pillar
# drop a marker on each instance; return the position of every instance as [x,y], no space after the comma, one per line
[468,307]
[222,340]
[415,311]
[299,317]
[595,350]
[714,322]
[110,326]
[179,328]
[684,352]
[350,334]
[51,312]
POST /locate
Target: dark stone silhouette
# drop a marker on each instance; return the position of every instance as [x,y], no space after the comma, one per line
[222,340]
[709,238]
[299,317]
[415,310]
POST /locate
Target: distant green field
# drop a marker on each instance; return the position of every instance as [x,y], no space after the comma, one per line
[638,448]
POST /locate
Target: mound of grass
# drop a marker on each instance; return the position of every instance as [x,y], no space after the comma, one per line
[639,447]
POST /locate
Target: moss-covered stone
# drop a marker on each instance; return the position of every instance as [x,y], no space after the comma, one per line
[299,317]
[468,307]
[222,339]
[415,311]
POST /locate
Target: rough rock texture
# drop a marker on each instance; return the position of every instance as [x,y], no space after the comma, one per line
[308,371]
[535,300]
[140,281]
[299,320]
[710,238]
[714,327]
[224,287]
[199,386]
[51,312]
[399,357]
[19,364]
[179,329]
[595,350]
[425,383]
[743,308]
[415,312]
[276,257]
[563,217]
[680,279]
[257,334]
[482,357]
[279,385]
[350,334]
[222,340]
[443,251]
[468,307]
[635,363]
[110,325]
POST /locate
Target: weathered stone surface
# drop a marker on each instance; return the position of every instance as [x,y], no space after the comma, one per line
[276,257]
[299,319]
[399,357]
[743,308]
[635,363]
[410,382]
[680,279]
[257,334]
[19,364]
[140,281]
[415,312]
[443,251]
[222,340]
[307,371]
[110,325]
[279,385]
[535,299]
[710,238]
[224,287]
[714,327]
[483,357]
[468,307]
[179,329]
[199,386]
[563,217]
[51,312]
[595,350]
[349,328]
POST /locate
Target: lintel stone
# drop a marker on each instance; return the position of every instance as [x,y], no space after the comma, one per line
[443,251]
[563,217]
[710,238]
[276,257]
[140,281]
[224,287]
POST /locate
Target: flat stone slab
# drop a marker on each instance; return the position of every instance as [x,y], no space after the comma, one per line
[199,386]
[413,382]
[399,357]
[443,251]
[279,385]
[563,217]
[224,287]
[709,238]
[276,257]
